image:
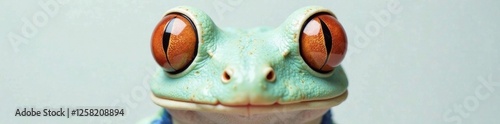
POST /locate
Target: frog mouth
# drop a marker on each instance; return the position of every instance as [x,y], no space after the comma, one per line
[248,110]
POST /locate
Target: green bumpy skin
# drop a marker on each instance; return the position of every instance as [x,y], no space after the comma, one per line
[248,55]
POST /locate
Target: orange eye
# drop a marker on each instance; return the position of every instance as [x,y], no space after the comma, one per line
[174,43]
[323,42]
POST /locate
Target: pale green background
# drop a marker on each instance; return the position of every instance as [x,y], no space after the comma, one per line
[429,57]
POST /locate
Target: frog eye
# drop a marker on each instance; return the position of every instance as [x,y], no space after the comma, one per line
[174,42]
[323,42]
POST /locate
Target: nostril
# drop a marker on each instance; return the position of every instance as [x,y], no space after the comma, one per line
[226,76]
[270,75]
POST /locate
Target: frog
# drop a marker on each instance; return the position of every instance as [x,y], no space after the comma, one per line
[287,74]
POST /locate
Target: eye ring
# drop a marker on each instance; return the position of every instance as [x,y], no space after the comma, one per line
[322,42]
[174,42]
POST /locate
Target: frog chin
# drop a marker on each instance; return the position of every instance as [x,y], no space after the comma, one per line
[248,110]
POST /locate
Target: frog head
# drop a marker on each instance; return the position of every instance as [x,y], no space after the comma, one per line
[295,66]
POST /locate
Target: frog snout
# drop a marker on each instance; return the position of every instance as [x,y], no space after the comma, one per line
[249,85]
[264,74]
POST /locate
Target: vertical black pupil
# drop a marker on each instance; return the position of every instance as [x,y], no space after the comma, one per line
[327,38]
[166,37]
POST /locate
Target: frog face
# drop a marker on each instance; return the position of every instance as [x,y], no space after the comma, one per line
[206,68]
